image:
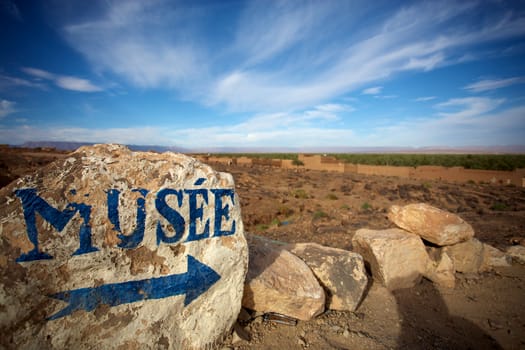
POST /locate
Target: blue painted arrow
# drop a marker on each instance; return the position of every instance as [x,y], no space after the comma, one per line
[198,279]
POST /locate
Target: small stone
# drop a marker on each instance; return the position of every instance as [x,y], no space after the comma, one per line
[346,333]
[434,225]
[517,253]
[494,324]
[335,329]
[301,342]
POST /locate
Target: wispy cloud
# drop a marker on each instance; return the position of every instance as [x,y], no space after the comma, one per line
[372,90]
[425,98]
[9,83]
[6,108]
[464,109]
[63,81]
[492,84]
[276,56]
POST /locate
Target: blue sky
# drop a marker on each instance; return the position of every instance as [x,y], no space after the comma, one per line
[263,73]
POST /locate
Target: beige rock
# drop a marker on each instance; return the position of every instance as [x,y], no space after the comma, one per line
[441,269]
[111,248]
[517,252]
[278,281]
[467,256]
[493,257]
[435,225]
[397,258]
[341,273]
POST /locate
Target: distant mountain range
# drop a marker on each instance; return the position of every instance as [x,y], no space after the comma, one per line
[70,146]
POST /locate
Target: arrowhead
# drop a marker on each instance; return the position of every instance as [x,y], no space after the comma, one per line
[199,279]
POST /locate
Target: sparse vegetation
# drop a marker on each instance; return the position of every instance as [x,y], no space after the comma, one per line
[468,161]
[275,222]
[300,194]
[331,196]
[498,206]
[366,206]
[320,214]
[261,227]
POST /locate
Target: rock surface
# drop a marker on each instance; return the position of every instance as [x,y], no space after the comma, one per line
[517,252]
[110,248]
[467,256]
[441,269]
[341,273]
[397,258]
[278,281]
[434,225]
[493,257]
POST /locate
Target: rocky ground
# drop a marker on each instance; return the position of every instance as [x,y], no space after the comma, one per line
[483,311]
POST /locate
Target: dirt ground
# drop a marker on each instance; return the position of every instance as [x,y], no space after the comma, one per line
[485,311]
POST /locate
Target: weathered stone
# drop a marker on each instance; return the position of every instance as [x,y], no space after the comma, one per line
[117,249]
[397,258]
[493,257]
[280,282]
[440,269]
[341,273]
[434,225]
[467,256]
[517,252]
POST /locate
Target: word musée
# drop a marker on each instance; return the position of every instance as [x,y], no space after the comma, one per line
[32,203]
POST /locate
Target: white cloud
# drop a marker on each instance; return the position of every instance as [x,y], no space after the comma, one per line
[372,90]
[133,135]
[63,81]
[464,109]
[425,98]
[277,56]
[6,108]
[492,84]
[76,84]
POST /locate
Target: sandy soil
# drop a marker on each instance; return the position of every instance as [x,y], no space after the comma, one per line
[484,311]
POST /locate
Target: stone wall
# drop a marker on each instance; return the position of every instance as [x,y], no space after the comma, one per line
[325,163]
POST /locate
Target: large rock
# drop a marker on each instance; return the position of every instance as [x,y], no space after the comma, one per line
[115,249]
[435,225]
[440,269]
[278,281]
[467,256]
[397,258]
[341,273]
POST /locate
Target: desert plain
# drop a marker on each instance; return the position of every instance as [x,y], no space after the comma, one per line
[484,310]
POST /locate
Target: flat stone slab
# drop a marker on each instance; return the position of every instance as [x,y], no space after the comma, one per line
[110,248]
[433,224]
